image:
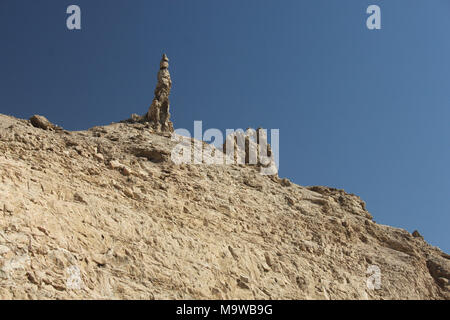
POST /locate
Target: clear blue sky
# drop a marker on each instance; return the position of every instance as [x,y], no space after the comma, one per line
[366,111]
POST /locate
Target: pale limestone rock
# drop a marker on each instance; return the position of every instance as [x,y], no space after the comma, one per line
[114,164]
[7,208]
[187,231]
[99,156]
[4,249]
[126,171]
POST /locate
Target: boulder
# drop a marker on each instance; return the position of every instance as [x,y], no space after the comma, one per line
[41,122]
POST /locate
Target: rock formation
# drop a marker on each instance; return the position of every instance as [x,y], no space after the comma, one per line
[43,123]
[105,214]
[158,114]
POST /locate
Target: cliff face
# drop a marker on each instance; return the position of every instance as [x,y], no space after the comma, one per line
[105,213]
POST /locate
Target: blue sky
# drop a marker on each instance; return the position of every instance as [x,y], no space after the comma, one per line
[366,111]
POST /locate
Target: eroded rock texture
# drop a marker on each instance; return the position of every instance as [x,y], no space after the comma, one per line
[158,114]
[157,119]
[105,214]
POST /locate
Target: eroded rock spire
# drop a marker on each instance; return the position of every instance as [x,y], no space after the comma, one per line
[158,114]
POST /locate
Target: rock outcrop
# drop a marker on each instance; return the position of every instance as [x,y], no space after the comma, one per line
[157,119]
[158,114]
[106,214]
[42,123]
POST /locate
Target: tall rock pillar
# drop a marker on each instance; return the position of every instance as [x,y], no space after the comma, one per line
[158,114]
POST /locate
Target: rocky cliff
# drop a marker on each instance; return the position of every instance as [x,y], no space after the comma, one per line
[105,213]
